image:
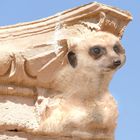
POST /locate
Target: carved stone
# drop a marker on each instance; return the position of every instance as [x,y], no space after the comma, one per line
[36,93]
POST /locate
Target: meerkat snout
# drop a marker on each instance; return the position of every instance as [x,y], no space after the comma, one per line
[116,62]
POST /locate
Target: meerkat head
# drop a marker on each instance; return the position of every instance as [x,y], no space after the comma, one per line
[101,52]
[90,61]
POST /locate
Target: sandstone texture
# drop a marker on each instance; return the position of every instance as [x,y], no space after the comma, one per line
[32,55]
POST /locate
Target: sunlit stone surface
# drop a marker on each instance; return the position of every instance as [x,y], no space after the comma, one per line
[51,86]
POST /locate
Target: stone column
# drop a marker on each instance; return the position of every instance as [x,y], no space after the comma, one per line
[32,55]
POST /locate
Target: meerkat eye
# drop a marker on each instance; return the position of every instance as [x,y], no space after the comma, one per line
[96,51]
[116,48]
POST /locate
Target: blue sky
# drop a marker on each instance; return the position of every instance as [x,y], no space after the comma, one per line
[125,85]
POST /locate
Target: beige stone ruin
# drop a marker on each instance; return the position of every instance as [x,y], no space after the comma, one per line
[35,91]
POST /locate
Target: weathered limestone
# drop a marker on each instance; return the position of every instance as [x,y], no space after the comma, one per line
[32,54]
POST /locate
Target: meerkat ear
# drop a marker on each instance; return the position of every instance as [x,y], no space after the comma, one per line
[72,59]
[70,44]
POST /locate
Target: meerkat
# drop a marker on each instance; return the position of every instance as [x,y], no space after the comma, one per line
[84,107]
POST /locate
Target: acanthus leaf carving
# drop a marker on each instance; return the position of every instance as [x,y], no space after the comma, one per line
[42,92]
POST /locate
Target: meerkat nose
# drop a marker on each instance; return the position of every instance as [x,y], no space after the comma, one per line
[116,62]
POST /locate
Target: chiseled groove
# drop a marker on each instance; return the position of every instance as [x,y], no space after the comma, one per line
[42,45]
[64,19]
[9,69]
[90,8]
[17,90]
[26,71]
[41,31]
[49,18]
